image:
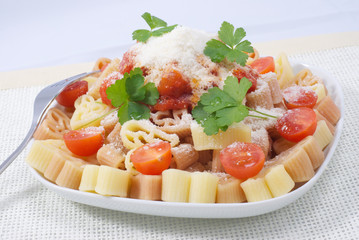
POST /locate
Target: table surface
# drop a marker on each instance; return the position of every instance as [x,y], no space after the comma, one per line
[43,42]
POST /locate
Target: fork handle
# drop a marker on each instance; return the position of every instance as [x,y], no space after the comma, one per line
[18,150]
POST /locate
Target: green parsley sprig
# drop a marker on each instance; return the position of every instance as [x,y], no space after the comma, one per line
[130,95]
[157,25]
[218,109]
[230,47]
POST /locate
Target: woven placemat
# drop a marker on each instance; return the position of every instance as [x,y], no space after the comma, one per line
[330,210]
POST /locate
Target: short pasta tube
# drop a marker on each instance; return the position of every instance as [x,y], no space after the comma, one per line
[89,178]
[70,175]
[229,190]
[322,134]
[203,188]
[146,187]
[113,182]
[256,190]
[278,181]
[111,156]
[261,97]
[175,185]
[41,154]
[183,156]
[329,110]
[236,132]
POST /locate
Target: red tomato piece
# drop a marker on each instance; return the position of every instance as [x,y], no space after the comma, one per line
[249,73]
[298,96]
[68,96]
[152,158]
[297,123]
[111,79]
[242,160]
[85,142]
[264,64]
[165,103]
[127,63]
[173,84]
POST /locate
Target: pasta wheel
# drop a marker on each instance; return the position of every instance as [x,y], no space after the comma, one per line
[55,124]
[137,133]
[284,71]
[129,165]
[306,78]
[94,91]
[88,112]
[175,121]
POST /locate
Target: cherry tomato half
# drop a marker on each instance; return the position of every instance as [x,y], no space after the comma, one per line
[173,84]
[298,96]
[71,92]
[85,142]
[249,73]
[152,158]
[242,160]
[111,79]
[264,64]
[126,63]
[297,123]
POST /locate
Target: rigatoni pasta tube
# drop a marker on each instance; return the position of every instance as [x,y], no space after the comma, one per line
[175,185]
[278,181]
[146,187]
[203,187]
[112,182]
[322,134]
[70,175]
[237,132]
[229,190]
[40,155]
[256,190]
[89,178]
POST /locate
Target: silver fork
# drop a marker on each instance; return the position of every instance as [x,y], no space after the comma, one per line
[42,102]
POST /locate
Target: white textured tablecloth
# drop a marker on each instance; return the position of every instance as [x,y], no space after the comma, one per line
[330,210]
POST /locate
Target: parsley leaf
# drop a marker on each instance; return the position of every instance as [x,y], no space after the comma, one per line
[142,35]
[130,95]
[235,90]
[230,46]
[218,109]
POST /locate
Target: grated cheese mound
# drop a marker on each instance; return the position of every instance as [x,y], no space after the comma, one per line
[181,49]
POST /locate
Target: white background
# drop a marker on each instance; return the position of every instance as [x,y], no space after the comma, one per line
[43,33]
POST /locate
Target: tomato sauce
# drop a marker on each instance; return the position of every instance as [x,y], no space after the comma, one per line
[175,92]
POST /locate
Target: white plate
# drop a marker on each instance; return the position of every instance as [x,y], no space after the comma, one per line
[200,210]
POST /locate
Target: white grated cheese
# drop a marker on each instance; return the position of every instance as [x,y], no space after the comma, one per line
[181,49]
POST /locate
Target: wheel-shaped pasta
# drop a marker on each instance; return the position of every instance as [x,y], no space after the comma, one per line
[284,71]
[137,133]
[88,112]
[55,124]
[176,121]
